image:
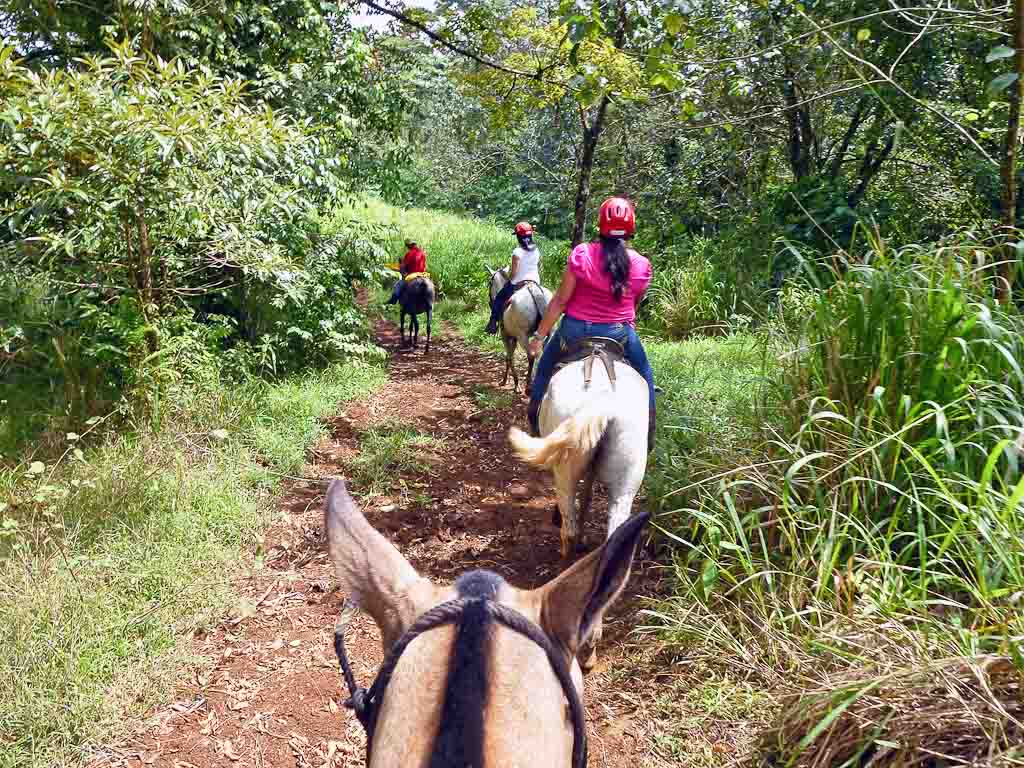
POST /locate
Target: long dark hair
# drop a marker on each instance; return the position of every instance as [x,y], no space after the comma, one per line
[616,263]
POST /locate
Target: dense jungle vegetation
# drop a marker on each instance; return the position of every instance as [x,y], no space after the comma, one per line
[827,190]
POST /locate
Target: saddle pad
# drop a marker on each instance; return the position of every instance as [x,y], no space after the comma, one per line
[416,276]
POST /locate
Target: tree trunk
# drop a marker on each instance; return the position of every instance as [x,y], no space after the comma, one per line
[591,134]
[1004,285]
[590,137]
[144,272]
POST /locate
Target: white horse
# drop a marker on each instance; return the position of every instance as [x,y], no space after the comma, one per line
[520,318]
[576,421]
[595,432]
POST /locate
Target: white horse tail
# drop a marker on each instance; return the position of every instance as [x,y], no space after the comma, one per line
[571,443]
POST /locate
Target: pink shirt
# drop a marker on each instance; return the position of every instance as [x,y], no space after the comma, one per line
[593,300]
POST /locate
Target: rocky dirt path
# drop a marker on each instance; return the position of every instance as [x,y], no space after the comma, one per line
[272,696]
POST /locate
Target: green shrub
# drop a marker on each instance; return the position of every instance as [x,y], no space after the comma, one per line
[688,300]
[137,195]
[894,486]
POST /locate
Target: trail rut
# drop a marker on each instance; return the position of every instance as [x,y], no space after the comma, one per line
[272,696]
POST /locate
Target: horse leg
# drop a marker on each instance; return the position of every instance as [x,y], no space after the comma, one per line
[586,499]
[509,349]
[430,317]
[415,331]
[529,371]
[401,328]
[620,504]
[565,490]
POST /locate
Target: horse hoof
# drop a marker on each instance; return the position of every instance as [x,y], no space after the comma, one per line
[589,663]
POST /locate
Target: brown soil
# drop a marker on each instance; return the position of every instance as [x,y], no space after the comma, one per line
[271,696]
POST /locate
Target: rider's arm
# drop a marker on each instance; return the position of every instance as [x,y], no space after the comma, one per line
[557,305]
[514,267]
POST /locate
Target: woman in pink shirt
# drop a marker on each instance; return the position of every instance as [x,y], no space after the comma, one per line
[600,291]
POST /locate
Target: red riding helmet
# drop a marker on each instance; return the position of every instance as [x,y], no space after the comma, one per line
[524,228]
[616,218]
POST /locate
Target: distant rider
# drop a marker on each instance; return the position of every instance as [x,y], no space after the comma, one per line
[600,291]
[525,266]
[414,261]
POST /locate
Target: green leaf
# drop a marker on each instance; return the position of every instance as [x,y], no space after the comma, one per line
[674,23]
[709,576]
[690,43]
[999,52]
[863,35]
[1001,83]
[971,117]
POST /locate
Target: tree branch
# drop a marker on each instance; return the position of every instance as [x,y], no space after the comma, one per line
[851,131]
[465,52]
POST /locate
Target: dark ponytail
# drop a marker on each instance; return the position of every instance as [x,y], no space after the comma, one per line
[616,263]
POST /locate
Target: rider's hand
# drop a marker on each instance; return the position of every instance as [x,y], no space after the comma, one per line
[536,345]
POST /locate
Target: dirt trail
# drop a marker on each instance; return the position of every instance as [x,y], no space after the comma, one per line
[272,697]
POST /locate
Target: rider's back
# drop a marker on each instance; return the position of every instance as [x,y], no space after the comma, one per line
[593,299]
[528,264]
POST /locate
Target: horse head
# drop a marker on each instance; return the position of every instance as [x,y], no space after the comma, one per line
[479,671]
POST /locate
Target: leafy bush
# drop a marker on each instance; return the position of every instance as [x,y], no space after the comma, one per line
[137,196]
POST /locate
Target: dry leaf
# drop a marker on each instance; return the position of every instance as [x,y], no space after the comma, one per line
[229,750]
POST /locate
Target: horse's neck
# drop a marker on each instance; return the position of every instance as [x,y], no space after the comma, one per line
[498,282]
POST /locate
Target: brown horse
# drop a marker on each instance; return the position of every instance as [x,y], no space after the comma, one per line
[479,673]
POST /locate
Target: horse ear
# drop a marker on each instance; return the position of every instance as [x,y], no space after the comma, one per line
[490,271]
[574,603]
[371,571]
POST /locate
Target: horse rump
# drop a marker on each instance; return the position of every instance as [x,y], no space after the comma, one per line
[572,442]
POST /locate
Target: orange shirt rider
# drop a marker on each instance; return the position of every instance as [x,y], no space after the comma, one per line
[414,260]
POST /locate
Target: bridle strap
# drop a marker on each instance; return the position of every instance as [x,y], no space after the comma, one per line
[366,703]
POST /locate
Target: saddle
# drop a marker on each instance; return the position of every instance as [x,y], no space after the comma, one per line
[416,276]
[517,288]
[590,348]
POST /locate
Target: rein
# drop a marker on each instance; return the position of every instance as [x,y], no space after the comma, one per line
[366,702]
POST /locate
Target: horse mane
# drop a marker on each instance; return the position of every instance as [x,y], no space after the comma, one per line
[460,739]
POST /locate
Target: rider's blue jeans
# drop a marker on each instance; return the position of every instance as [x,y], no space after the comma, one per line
[500,298]
[572,330]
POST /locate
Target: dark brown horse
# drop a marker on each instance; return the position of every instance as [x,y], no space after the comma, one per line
[417,298]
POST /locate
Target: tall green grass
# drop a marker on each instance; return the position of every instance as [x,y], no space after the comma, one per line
[114,551]
[893,489]
[458,248]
